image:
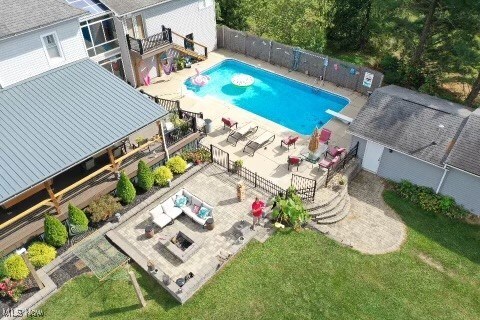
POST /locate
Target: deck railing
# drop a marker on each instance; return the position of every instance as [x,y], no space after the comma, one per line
[342,164]
[153,42]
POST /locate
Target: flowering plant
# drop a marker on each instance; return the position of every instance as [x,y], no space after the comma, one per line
[12,289]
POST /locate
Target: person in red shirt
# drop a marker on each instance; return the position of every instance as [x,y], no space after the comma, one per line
[257,211]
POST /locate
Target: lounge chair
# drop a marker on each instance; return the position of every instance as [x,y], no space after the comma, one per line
[294,161]
[336,151]
[227,122]
[241,133]
[329,164]
[325,136]
[260,141]
[288,141]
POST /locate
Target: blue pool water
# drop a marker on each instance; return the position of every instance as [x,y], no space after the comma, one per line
[292,104]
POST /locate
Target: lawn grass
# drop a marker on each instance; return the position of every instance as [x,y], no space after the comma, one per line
[436,275]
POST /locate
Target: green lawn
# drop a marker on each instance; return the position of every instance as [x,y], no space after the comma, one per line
[308,276]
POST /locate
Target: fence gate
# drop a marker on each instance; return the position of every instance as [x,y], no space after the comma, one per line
[305,187]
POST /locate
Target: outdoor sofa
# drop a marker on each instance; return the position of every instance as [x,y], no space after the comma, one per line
[170,209]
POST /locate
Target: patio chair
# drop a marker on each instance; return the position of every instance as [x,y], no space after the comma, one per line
[336,151]
[294,161]
[241,133]
[260,141]
[329,164]
[288,141]
[325,136]
[227,122]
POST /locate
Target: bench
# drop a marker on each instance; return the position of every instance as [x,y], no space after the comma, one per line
[340,116]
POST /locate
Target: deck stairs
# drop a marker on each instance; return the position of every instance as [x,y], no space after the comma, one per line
[189,52]
[331,205]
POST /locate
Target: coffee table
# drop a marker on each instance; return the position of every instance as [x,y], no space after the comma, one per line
[313,159]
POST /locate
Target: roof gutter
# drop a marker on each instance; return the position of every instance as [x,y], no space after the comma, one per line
[126,14]
[40,27]
[388,147]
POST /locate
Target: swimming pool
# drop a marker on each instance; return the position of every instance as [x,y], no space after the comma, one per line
[290,103]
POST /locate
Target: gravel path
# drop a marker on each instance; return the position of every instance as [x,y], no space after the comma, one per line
[372,227]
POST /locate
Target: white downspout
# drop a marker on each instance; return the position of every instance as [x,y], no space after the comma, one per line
[443,178]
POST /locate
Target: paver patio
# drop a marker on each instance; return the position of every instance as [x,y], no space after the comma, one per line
[270,162]
[215,186]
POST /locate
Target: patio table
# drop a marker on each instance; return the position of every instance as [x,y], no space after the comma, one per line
[313,159]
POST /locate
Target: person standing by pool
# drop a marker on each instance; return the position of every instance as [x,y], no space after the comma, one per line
[257,211]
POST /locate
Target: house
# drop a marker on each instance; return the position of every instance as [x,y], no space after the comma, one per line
[37,36]
[403,134]
[153,32]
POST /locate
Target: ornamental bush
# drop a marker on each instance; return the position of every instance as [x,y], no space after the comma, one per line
[177,165]
[55,232]
[14,267]
[77,217]
[162,176]
[41,254]
[103,208]
[427,199]
[144,176]
[125,189]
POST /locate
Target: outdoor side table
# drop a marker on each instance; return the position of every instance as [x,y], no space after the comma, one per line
[149,232]
[209,224]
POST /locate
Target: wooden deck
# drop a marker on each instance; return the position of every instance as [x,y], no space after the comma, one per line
[24,230]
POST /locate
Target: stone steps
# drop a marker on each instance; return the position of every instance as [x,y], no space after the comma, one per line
[339,214]
[333,209]
[329,205]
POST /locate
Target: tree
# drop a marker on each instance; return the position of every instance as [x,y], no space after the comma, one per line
[232,14]
[125,189]
[55,232]
[144,176]
[426,33]
[77,217]
[474,92]
[349,29]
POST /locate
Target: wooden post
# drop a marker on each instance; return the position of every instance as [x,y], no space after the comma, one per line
[33,271]
[54,199]
[138,291]
[112,160]
[162,134]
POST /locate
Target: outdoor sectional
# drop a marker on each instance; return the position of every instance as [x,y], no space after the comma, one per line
[167,212]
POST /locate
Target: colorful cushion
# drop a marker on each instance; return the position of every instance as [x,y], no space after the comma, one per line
[196,209]
[180,201]
[204,213]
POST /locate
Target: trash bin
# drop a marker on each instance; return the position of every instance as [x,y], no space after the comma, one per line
[208,125]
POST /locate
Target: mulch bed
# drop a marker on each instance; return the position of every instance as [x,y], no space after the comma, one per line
[31,289]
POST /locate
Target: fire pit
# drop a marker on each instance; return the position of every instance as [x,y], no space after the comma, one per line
[180,244]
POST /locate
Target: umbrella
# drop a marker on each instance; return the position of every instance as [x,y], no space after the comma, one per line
[313,144]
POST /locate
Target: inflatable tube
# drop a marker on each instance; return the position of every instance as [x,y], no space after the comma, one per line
[199,79]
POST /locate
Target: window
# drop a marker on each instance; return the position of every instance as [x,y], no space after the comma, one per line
[99,35]
[202,4]
[114,65]
[52,48]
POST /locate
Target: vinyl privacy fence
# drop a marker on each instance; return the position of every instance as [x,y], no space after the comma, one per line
[341,73]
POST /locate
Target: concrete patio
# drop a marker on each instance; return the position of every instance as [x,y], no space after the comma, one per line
[215,186]
[271,161]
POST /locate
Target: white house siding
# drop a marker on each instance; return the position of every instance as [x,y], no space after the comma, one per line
[398,166]
[464,187]
[183,17]
[362,143]
[121,30]
[23,56]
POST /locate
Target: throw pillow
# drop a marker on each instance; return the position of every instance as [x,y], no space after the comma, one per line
[196,209]
[204,213]
[180,201]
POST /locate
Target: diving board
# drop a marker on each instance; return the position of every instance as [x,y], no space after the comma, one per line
[340,116]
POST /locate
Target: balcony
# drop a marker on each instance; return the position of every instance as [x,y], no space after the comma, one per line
[151,45]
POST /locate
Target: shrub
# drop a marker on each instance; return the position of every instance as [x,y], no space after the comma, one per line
[15,267]
[177,165]
[392,68]
[427,199]
[55,232]
[144,176]
[77,217]
[196,156]
[41,254]
[290,210]
[11,289]
[103,208]
[162,176]
[125,189]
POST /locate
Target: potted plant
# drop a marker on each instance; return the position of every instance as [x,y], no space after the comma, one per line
[140,140]
[237,165]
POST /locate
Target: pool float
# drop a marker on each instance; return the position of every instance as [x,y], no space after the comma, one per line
[242,80]
[199,79]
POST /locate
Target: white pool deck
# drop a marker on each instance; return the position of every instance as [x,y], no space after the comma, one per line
[271,162]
